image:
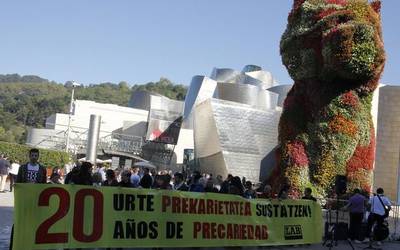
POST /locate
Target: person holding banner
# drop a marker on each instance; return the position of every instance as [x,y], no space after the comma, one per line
[32,172]
[125,179]
[146,181]
[81,175]
[110,181]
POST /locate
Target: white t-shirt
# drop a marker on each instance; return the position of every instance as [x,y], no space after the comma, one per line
[376,205]
[14,168]
[33,170]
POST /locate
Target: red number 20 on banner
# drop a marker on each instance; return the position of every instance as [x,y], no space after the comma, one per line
[42,233]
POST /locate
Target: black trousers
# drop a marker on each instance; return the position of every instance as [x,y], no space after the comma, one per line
[372,218]
[13,179]
[355,226]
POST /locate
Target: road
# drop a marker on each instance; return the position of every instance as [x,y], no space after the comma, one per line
[6,215]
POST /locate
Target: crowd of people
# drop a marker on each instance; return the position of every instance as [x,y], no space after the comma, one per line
[84,173]
[134,177]
[369,211]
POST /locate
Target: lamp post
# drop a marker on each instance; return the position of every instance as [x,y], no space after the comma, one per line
[74,84]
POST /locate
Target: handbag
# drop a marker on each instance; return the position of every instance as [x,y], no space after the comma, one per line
[384,207]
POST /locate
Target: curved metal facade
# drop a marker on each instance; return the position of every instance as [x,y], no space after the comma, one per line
[237,139]
[241,93]
[236,131]
[225,75]
[282,91]
[201,88]
[141,99]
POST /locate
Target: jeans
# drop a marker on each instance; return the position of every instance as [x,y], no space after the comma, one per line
[3,179]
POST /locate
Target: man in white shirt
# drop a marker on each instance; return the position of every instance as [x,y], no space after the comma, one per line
[377,213]
[4,168]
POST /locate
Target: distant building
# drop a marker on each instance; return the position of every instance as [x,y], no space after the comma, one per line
[113,117]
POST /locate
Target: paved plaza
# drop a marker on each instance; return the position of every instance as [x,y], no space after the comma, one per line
[7,207]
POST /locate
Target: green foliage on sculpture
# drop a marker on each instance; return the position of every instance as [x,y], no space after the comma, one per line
[334,52]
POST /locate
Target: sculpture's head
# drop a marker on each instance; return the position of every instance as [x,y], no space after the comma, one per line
[334,40]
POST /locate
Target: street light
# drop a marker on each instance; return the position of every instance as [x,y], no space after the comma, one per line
[74,84]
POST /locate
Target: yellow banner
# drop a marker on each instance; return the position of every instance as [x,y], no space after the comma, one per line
[73,216]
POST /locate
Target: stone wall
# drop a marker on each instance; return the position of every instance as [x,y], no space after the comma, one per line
[386,174]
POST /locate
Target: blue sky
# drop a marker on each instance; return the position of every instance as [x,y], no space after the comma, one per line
[93,41]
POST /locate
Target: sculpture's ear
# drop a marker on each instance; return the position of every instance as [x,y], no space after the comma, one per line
[376,6]
[297,3]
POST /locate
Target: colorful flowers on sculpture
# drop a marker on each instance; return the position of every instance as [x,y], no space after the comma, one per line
[339,124]
[333,50]
[297,153]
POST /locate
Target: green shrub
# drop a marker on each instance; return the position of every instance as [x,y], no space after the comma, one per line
[48,158]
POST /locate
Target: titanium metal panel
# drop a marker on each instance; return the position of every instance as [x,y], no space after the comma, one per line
[164,120]
[201,88]
[206,139]
[141,99]
[267,100]
[251,68]
[282,91]
[246,138]
[208,165]
[262,79]
[241,93]
[225,75]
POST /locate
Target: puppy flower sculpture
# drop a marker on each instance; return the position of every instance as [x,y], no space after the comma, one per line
[333,50]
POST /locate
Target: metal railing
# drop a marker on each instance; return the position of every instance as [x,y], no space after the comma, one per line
[78,140]
[330,211]
[121,143]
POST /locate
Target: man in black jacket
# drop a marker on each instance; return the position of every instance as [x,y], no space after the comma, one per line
[32,172]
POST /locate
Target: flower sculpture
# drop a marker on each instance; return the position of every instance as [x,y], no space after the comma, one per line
[333,50]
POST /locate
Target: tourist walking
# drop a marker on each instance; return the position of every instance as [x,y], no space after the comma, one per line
[13,173]
[4,168]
